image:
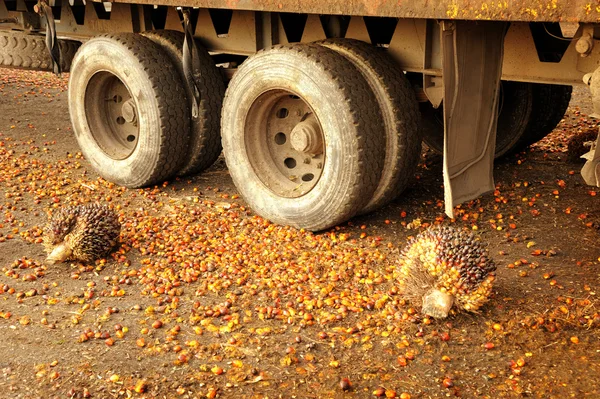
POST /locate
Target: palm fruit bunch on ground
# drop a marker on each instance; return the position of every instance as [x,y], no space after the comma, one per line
[83,232]
[444,268]
[580,144]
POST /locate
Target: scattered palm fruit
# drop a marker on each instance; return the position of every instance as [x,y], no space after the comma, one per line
[84,232]
[345,384]
[239,288]
[140,386]
[444,267]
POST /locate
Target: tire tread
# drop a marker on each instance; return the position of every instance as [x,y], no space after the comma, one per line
[205,139]
[550,102]
[22,50]
[397,96]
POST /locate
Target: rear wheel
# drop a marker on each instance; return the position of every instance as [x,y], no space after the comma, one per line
[400,113]
[550,102]
[515,106]
[27,51]
[302,136]
[128,109]
[205,136]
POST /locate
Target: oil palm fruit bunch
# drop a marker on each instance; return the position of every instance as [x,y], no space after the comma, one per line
[579,144]
[83,232]
[444,268]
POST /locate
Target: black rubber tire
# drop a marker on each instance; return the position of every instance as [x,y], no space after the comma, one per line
[400,112]
[550,102]
[351,124]
[515,111]
[27,51]
[205,135]
[161,102]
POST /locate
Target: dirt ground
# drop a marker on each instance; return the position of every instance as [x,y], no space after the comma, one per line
[205,299]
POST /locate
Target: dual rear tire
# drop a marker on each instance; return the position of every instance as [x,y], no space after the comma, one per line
[130,110]
[314,134]
[528,112]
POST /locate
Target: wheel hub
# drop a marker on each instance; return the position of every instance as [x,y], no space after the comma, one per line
[306,137]
[285,143]
[112,115]
[129,111]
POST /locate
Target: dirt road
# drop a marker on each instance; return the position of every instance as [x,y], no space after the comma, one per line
[205,299]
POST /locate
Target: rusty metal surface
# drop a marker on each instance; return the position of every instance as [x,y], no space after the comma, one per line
[502,10]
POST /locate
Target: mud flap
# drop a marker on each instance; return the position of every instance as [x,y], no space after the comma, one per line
[472,66]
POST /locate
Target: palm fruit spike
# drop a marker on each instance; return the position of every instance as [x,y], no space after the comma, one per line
[444,267]
[84,232]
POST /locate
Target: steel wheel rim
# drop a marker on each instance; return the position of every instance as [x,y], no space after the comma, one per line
[285,143]
[112,115]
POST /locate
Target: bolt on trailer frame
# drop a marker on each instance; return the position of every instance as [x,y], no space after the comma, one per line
[459,49]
